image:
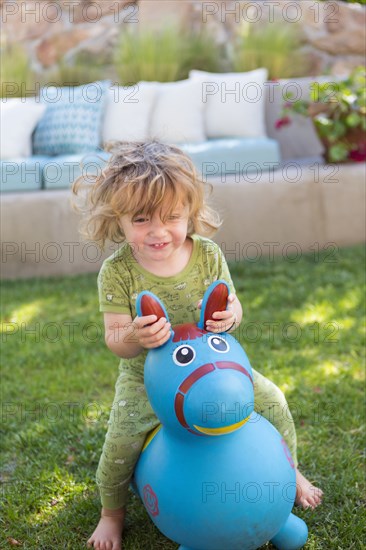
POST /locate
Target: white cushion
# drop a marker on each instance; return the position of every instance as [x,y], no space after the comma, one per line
[234,103]
[18,119]
[178,113]
[128,112]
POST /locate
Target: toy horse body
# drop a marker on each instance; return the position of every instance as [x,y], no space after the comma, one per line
[215,475]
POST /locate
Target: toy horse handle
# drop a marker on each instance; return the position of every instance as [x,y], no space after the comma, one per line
[214,299]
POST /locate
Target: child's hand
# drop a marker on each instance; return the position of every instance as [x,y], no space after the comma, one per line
[222,320]
[151,333]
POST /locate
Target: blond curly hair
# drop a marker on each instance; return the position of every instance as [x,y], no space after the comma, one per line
[138,179]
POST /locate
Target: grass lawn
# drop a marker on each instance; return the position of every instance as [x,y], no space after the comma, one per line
[303,327]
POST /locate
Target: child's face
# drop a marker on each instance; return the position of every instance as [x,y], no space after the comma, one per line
[153,239]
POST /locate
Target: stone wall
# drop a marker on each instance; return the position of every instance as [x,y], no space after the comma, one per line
[52,31]
[333,32]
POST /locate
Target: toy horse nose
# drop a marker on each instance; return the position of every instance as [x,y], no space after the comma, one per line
[220,402]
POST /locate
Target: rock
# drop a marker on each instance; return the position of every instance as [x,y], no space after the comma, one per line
[52,49]
[102,43]
[29,20]
[342,43]
[336,27]
[160,13]
[344,65]
[349,25]
[319,62]
[92,11]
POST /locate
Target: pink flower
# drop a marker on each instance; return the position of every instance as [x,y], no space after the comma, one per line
[358,155]
[284,121]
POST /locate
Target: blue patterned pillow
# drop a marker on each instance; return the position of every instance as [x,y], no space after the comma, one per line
[72,122]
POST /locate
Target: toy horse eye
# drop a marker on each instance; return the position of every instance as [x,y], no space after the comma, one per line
[218,344]
[184,355]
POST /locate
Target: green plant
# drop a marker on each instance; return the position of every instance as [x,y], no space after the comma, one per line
[164,56]
[148,56]
[274,46]
[201,52]
[80,71]
[16,77]
[338,110]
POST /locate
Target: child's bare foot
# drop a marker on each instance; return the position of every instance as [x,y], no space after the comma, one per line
[307,495]
[108,534]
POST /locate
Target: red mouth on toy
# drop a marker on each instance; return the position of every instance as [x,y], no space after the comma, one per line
[187,384]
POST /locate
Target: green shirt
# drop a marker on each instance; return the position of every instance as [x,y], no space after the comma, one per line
[121,279]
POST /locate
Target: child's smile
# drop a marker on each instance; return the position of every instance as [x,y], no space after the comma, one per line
[154,240]
[159,246]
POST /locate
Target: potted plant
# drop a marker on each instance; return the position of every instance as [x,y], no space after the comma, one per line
[338,111]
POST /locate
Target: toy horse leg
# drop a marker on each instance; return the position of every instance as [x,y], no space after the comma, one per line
[292,535]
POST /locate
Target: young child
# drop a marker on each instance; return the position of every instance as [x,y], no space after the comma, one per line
[150,199]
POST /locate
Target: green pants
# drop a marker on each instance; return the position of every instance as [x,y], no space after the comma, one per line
[132,418]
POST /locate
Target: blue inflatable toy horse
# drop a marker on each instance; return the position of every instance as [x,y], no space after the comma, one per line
[215,475]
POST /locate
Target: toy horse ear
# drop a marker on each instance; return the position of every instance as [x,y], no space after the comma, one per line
[214,299]
[149,304]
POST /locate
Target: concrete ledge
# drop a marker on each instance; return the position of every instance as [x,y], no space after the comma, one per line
[310,206]
[296,209]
